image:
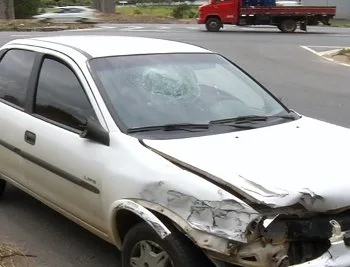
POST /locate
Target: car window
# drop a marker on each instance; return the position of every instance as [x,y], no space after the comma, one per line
[75,10]
[15,70]
[60,96]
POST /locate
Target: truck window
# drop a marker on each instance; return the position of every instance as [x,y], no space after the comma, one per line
[15,70]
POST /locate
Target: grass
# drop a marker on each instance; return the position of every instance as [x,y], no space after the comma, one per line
[157,11]
[340,23]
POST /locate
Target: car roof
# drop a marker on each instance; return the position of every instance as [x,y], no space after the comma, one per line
[104,46]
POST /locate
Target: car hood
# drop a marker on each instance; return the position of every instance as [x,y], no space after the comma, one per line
[299,162]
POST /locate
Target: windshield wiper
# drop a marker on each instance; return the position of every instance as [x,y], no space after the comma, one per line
[251,118]
[191,127]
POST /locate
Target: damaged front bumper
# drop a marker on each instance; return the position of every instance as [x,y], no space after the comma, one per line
[275,255]
[338,255]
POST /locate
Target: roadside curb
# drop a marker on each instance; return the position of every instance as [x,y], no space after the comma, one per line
[328,55]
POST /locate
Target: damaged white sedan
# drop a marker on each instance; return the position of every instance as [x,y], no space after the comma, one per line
[172,153]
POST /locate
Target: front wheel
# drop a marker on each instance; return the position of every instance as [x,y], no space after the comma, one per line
[143,247]
[213,24]
[2,187]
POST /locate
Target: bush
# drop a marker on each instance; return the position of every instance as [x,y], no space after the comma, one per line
[181,11]
[25,9]
[137,12]
[192,14]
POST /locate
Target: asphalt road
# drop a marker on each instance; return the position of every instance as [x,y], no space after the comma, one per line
[306,83]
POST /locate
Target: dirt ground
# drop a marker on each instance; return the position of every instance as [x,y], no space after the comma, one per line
[10,256]
[342,56]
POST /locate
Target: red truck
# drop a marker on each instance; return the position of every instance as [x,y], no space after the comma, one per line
[286,18]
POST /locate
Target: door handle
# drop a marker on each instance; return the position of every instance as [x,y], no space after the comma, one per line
[30,137]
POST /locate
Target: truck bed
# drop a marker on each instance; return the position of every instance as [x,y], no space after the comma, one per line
[289,10]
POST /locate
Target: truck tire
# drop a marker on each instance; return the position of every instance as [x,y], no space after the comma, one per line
[143,247]
[288,26]
[213,24]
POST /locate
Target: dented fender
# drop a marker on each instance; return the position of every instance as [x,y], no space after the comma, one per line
[152,220]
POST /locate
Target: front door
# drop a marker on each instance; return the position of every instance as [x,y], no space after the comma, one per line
[64,168]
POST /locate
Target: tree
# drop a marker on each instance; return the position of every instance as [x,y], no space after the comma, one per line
[7,9]
[105,6]
[25,9]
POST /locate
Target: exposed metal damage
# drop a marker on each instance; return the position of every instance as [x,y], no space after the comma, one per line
[252,232]
[227,218]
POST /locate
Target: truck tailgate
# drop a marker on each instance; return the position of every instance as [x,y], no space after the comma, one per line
[289,10]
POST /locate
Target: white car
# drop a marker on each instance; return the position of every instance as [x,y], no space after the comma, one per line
[69,14]
[172,153]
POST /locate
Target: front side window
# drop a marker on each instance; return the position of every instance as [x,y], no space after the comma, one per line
[15,70]
[60,96]
[148,90]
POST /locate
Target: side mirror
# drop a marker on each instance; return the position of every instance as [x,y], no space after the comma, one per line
[94,131]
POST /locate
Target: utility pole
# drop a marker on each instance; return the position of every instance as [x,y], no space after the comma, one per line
[105,6]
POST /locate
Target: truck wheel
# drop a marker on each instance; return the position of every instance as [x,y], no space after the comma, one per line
[143,247]
[288,26]
[2,187]
[213,24]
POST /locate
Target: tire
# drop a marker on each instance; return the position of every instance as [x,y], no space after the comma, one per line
[82,20]
[174,251]
[288,26]
[2,187]
[213,24]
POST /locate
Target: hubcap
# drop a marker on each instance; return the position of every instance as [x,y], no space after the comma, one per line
[149,254]
[213,24]
[289,26]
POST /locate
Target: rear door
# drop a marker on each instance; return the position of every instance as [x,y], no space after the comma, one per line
[15,79]
[64,168]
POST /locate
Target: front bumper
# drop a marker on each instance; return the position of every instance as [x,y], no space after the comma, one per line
[200,20]
[338,255]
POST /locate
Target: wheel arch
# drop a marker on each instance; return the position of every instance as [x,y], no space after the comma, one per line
[211,16]
[126,213]
[164,222]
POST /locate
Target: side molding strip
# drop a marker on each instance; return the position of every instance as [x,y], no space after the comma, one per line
[51,168]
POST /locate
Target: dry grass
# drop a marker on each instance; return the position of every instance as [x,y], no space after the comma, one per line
[141,18]
[11,256]
[32,25]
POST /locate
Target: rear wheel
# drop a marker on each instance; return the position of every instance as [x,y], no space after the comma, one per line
[2,187]
[143,247]
[213,24]
[288,26]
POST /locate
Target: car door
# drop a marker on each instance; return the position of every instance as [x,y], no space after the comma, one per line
[64,168]
[15,72]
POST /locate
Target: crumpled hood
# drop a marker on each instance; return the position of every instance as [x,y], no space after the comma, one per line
[304,161]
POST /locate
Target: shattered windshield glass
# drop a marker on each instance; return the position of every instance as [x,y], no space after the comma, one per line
[148,90]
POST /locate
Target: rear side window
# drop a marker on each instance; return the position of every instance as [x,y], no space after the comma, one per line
[15,70]
[60,96]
